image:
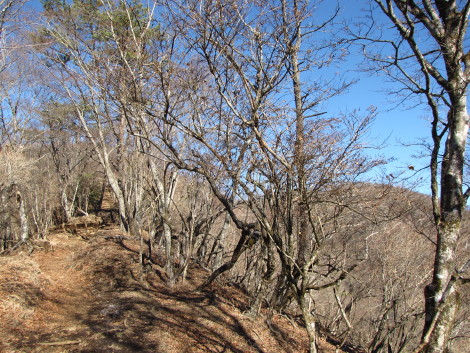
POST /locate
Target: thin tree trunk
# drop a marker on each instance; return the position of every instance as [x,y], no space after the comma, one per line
[266,280]
[24,234]
[218,247]
[201,246]
[113,182]
[168,254]
[65,205]
[304,248]
[165,197]
[239,250]
[4,218]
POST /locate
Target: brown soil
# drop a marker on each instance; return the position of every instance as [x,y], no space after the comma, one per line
[77,295]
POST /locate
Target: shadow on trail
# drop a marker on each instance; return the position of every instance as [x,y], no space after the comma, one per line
[131,315]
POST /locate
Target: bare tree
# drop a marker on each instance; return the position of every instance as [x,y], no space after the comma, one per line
[9,24]
[100,69]
[68,153]
[428,57]
[239,123]
[114,71]
[14,175]
[18,95]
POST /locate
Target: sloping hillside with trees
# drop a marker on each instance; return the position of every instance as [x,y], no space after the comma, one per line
[79,295]
[201,131]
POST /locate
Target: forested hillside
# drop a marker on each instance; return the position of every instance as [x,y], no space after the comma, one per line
[184,151]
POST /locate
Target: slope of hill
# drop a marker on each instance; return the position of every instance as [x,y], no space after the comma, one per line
[77,295]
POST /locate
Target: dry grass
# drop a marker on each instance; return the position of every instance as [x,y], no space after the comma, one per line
[89,296]
[20,289]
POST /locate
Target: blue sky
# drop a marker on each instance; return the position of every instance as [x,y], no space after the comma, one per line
[398,125]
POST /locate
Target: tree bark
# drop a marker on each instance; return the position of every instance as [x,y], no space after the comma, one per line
[24,227]
[448,229]
[310,322]
[218,246]
[239,250]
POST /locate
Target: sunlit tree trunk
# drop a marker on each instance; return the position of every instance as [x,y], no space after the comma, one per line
[443,310]
[444,75]
[24,227]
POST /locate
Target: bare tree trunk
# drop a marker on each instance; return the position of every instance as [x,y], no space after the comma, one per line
[451,209]
[67,205]
[239,250]
[304,248]
[4,215]
[266,280]
[101,150]
[165,196]
[310,322]
[168,254]
[218,247]
[113,182]
[299,158]
[201,245]
[24,233]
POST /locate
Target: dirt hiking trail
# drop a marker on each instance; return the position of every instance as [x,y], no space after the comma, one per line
[88,295]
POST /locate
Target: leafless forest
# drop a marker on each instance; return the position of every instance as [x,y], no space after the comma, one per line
[199,127]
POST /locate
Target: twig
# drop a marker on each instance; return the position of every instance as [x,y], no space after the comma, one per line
[59,343]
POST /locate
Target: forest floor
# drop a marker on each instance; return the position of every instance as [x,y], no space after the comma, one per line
[87,295]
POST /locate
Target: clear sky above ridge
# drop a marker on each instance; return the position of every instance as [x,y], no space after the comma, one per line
[401,126]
